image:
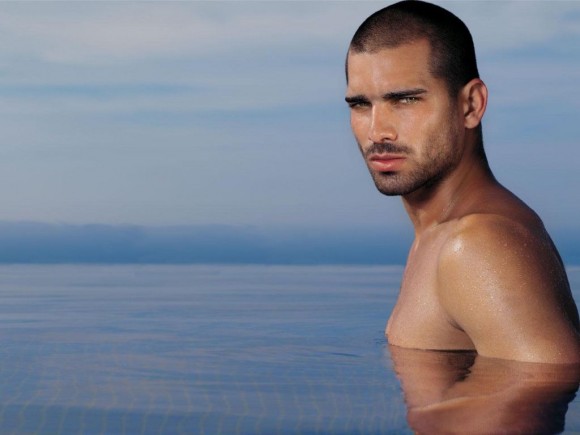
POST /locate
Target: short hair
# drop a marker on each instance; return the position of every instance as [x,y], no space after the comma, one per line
[452,52]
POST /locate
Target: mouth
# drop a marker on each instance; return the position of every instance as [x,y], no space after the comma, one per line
[386,162]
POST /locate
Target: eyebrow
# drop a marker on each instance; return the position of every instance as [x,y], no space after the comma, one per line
[356,99]
[389,96]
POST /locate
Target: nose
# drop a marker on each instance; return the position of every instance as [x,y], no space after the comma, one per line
[382,128]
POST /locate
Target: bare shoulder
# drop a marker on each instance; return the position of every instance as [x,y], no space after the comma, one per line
[496,238]
[502,282]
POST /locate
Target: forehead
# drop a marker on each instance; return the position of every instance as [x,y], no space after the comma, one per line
[389,68]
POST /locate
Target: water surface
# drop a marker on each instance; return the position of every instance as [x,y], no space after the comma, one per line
[202,350]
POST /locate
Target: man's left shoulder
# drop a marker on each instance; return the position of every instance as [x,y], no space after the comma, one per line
[497,239]
[502,282]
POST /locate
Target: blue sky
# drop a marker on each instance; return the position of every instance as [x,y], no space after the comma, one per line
[164,114]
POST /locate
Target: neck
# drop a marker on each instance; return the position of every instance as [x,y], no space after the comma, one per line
[450,197]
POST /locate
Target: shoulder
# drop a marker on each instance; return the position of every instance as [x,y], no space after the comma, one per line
[501,280]
[496,240]
[483,254]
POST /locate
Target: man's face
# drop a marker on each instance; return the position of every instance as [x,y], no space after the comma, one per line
[408,128]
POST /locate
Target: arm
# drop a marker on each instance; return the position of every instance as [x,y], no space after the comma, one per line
[459,392]
[503,284]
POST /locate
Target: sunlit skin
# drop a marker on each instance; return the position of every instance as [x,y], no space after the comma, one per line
[482,272]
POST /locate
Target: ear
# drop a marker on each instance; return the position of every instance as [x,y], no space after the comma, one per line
[474,102]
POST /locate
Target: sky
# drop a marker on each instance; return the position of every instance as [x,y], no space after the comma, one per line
[225,118]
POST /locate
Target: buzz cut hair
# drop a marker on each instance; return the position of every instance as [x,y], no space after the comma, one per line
[452,53]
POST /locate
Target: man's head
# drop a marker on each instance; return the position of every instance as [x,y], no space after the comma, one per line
[415,97]
[452,52]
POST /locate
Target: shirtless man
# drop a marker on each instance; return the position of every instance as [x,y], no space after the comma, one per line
[482,273]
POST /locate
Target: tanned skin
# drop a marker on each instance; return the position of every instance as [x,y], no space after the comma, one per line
[482,273]
[464,393]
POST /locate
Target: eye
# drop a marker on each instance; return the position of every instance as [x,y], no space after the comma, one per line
[358,104]
[408,100]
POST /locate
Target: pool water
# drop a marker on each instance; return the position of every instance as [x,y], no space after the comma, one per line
[213,350]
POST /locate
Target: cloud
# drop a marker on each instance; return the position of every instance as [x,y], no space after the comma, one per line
[95,33]
[200,56]
[173,57]
[113,32]
[232,112]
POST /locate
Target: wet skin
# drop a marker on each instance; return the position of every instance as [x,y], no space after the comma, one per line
[462,392]
[482,273]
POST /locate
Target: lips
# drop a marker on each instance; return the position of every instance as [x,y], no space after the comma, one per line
[386,162]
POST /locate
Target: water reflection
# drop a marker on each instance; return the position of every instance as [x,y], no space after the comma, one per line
[461,392]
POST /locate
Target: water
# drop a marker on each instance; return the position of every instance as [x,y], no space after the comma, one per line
[203,350]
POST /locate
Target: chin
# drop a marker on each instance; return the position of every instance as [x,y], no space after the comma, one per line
[389,192]
[393,188]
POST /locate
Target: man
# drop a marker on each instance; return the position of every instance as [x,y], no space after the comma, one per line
[482,273]
[464,393]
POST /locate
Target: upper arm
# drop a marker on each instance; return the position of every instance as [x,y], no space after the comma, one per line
[505,287]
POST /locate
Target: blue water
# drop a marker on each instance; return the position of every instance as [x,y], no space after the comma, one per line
[201,350]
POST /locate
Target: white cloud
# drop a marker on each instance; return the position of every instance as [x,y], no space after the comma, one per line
[89,91]
[229,52]
[96,33]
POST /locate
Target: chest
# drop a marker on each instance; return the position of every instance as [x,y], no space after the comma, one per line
[418,319]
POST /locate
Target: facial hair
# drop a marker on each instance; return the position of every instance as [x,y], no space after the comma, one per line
[440,156]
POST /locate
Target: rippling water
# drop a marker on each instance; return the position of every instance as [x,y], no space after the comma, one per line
[203,350]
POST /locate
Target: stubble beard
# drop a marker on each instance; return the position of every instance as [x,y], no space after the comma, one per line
[396,184]
[440,158]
